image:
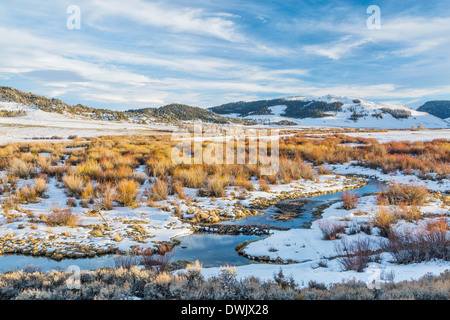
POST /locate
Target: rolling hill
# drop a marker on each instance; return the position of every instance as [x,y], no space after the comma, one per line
[326,111]
[440,109]
[171,113]
[330,111]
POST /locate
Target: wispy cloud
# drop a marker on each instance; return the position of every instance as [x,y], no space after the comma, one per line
[336,50]
[166,15]
[413,35]
[149,53]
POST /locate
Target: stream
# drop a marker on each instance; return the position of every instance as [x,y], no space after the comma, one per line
[211,250]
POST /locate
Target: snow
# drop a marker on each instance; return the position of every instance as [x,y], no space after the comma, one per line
[351,168]
[38,123]
[341,118]
[160,225]
[401,135]
[305,249]
[277,110]
[302,273]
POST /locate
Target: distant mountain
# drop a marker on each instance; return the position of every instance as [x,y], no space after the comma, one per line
[171,113]
[8,94]
[294,108]
[329,111]
[440,109]
[180,112]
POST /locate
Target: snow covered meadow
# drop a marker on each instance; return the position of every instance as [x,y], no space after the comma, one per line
[121,196]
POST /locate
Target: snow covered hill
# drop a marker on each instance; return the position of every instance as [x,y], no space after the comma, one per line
[35,123]
[331,111]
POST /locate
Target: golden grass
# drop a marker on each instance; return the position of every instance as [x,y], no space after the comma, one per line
[159,191]
[191,178]
[88,192]
[264,185]
[159,168]
[215,186]
[244,183]
[90,169]
[74,184]
[40,186]
[20,168]
[400,193]
[176,187]
[27,194]
[109,194]
[127,191]
[62,217]
[384,219]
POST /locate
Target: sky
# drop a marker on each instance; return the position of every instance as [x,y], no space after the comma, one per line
[145,53]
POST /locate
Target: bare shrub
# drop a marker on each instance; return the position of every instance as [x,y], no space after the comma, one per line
[191,178]
[412,195]
[21,169]
[331,230]
[159,191]
[27,194]
[264,185]
[40,186]
[157,260]
[350,200]
[439,225]
[354,255]
[418,246]
[126,261]
[244,183]
[62,217]
[408,213]
[215,187]
[108,196]
[307,171]
[323,169]
[74,184]
[383,220]
[176,187]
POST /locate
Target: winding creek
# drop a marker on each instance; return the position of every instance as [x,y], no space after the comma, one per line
[212,250]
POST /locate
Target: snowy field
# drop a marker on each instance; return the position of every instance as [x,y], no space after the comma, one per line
[306,255]
[403,135]
[38,123]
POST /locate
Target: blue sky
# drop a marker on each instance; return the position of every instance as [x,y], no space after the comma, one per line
[142,53]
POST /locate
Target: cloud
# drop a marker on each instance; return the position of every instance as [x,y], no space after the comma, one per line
[163,15]
[410,35]
[335,50]
[149,53]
